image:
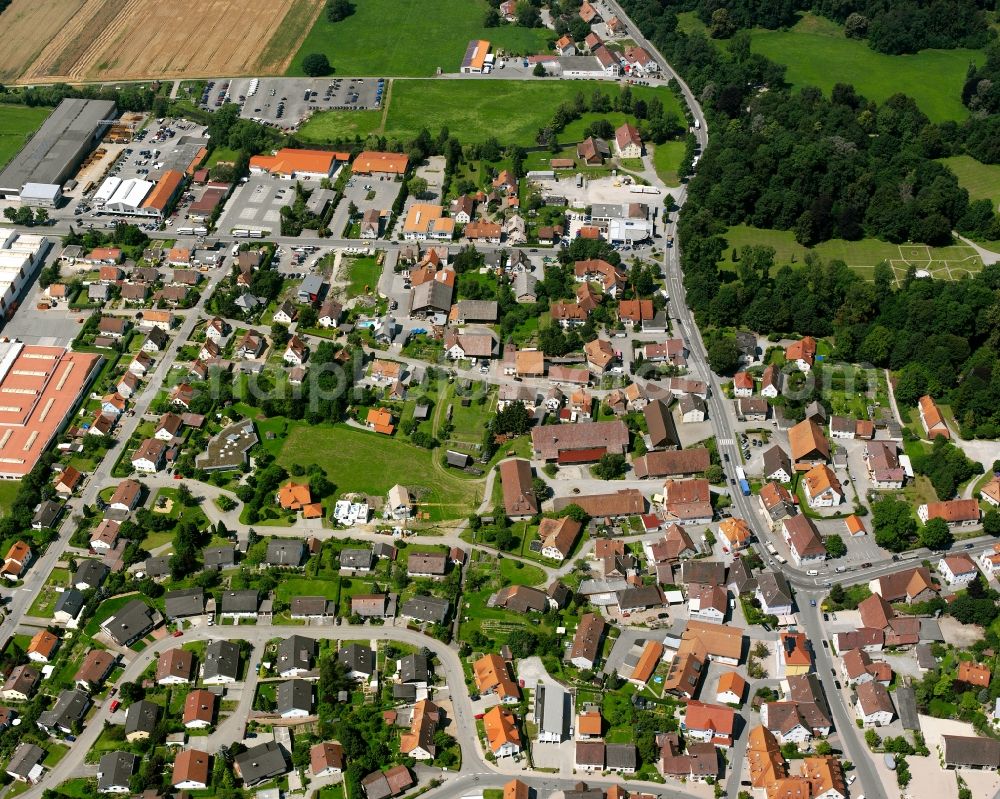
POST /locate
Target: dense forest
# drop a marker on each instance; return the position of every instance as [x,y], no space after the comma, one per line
[837,167]
[890,26]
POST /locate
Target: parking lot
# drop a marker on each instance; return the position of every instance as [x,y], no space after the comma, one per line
[165,145]
[366,192]
[286,102]
[257,205]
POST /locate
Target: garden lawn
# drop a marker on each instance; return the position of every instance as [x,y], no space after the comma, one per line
[300,586]
[474,110]
[982,181]
[410,38]
[817,53]
[8,492]
[17,123]
[106,610]
[667,159]
[358,460]
[363,272]
[514,572]
[943,263]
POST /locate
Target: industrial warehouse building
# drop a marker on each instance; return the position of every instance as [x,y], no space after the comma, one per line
[291,163]
[137,197]
[57,149]
[41,387]
[21,255]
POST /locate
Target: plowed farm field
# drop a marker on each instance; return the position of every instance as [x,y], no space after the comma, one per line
[45,41]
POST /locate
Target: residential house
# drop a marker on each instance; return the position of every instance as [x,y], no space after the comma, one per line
[114,772]
[491,676]
[957,570]
[191,770]
[175,667]
[931,418]
[874,708]
[586,646]
[773,593]
[294,699]
[710,723]
[558,536]
[804,542]
[628,143]
[518,494]
[140,720]
[502,736]
[821,487]
[222,663]
[957,513]
[97,665]
[802,353]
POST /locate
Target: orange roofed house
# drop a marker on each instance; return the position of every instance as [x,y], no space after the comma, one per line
[931,418]
[802,353]
[297,497]
[380,420]
[289,163]
[18,559]
[370,162]
[501,732]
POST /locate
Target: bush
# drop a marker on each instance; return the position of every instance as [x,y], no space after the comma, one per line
[316,65]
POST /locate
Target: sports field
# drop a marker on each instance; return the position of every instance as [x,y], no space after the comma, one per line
[136,39]
[359,460]
[410,38]
[817,53]
[17,123]
[941,263]
[473,110]
[982,181]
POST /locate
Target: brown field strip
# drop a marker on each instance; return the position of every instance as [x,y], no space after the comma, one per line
[147,39]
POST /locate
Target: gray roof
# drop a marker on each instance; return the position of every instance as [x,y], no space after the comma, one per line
[131,622]
[552,706]
[433,295]
[414,668]
[58,146]
[157,566]
[24,759]
[296,652]
[426,608]
[294,695]
[247,601]
[70,601]
[142,717]
[524,283]
[115,770]
[774,588]
[222,659]
[620,756]
[47,513]
[704,572]
[71,706]
[285,552]
[260,763]
[405,692]
[478,310]
[311,284]
[357,658]
[357,558]
[186,602]
[229,447]
[974,751]
[219,557]
[90,573]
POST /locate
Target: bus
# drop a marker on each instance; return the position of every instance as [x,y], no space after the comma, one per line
[185,231]
[256,234]
[241,233]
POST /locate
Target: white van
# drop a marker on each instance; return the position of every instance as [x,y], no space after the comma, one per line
[813,573]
